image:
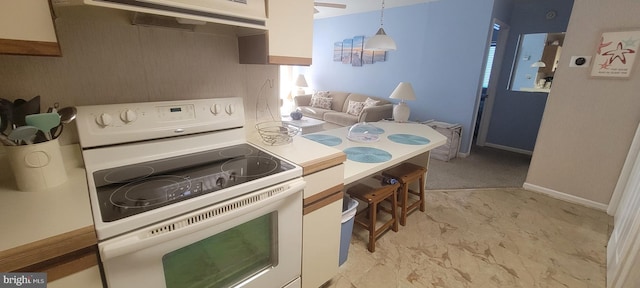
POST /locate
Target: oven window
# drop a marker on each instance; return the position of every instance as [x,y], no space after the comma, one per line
[224,259]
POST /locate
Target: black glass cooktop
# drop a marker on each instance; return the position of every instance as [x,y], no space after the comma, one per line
[133,189]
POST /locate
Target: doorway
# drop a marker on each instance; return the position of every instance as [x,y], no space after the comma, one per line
[493,64]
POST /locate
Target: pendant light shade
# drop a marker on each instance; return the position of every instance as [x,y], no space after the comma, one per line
[538,64]
[381,41]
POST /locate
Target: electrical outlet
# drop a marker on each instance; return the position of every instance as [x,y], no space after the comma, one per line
[580,61]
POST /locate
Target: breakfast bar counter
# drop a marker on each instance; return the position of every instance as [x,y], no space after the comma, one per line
[331,162]
[396,143]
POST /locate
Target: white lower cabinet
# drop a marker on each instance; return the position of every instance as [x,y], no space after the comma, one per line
[321,245]
[321,226]
[88,278]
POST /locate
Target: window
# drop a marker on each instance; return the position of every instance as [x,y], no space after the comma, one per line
[487,69]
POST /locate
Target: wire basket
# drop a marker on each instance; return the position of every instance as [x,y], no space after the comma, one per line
[276,132]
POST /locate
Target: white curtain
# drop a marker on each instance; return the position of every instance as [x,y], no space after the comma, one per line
[286,87]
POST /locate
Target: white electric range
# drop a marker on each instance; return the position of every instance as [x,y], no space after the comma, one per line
[176,183]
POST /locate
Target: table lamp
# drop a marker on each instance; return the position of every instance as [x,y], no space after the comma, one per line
[301,83]
[401,111]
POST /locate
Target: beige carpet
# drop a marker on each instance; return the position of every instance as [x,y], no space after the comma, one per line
[479,238]
[485,167]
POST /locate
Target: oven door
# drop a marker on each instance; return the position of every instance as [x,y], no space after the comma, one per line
[254,240]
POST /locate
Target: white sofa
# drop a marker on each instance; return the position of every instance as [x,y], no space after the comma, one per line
[340,104]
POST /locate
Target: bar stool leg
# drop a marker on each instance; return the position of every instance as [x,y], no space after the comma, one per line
[422,200]
[403,204]
[394,210]
[373,208]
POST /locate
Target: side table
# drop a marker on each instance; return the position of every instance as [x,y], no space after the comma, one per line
[306,124]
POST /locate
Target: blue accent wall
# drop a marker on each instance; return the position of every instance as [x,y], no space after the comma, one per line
[516,115]
[531,48]
[441,50]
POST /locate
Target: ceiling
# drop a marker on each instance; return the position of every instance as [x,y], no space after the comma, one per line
[360,6]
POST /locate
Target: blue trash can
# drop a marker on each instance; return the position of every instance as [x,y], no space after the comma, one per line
[349,207]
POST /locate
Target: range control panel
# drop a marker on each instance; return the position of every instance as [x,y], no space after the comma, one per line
[100,125]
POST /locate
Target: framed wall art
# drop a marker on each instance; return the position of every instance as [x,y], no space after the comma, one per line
[616,54]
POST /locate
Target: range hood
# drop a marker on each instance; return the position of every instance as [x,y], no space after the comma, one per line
[244,13]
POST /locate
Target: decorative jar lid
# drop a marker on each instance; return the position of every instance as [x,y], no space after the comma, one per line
[364,132]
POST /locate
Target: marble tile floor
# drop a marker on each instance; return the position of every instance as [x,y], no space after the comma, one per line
[506,237]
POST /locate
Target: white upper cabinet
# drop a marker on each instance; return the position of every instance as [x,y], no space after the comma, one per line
[26,28]
[289,36]
[241,13]
[290,26]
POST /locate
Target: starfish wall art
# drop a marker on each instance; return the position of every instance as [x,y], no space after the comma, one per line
[615,54]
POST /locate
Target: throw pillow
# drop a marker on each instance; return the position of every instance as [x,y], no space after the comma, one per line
[370,102]
[321,94]
[355,108]
[321,102]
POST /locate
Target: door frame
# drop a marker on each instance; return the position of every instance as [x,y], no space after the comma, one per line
[623,248]
[498,58]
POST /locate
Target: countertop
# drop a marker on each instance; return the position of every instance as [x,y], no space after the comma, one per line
[355,171]
[44,227]
[33,216]
[310,155]
[303,151]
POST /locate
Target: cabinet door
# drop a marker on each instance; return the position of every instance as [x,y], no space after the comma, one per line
[321,244]
[549,56]
[26,28]
[290,24]
[289,38]
[321,225]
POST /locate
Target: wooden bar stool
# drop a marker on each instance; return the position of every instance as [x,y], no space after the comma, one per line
[373,196]
[406,173]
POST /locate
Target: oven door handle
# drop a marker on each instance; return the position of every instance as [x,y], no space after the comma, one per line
[140,239]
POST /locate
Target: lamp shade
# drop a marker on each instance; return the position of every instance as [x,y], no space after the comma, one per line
[301,82]
[380,42]
[404,91]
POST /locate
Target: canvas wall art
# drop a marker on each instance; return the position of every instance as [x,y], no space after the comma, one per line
[347,44]
[351,51]
[337,51]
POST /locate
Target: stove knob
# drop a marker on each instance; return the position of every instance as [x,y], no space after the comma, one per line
[128,116]
[215,109]
[104,120]
[220,182]
[230,109]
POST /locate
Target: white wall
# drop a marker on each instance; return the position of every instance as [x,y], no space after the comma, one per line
[107,60]
[588,123]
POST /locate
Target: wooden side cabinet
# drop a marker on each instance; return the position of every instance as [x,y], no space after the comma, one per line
[27,28]
[289,36]
[550,56]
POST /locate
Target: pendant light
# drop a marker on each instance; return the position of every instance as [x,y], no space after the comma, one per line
[538,64]
[380,41]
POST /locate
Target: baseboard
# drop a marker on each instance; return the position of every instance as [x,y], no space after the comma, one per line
[565,197]
[507,148]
